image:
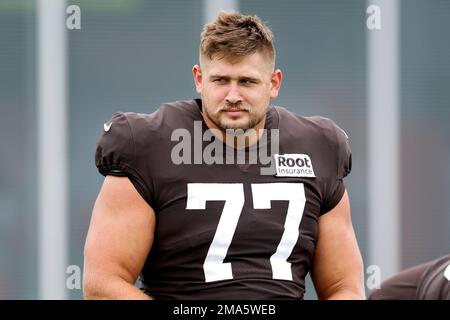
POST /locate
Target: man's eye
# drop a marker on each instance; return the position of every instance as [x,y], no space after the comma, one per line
[218,80]
[247,81]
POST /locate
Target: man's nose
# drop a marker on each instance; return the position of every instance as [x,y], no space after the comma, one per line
[233,95]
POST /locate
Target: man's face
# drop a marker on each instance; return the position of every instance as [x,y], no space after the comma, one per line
[236,95]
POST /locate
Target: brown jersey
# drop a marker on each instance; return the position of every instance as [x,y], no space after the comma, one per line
[434,284]
[225,230]
[427,281]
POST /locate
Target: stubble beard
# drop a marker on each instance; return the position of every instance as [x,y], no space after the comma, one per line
[216,117]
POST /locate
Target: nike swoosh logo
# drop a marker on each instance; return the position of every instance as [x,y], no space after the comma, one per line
[107,126]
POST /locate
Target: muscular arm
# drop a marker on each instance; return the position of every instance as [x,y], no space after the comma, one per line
[338,268]
[119,239]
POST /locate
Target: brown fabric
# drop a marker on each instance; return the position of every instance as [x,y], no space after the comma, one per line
[433,285]
[422,282]
[402,286]
[139,146]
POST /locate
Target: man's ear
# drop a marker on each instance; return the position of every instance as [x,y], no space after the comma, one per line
[197,73]
[275,83]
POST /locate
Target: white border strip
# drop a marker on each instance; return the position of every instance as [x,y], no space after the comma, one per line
[52,149]
[383,139]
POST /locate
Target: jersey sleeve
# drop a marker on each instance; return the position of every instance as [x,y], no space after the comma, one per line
[116,153]
[433,283]
[334,186]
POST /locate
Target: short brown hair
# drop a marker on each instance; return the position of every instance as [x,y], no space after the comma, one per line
[233,35]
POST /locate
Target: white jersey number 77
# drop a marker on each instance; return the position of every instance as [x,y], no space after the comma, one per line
[233,195]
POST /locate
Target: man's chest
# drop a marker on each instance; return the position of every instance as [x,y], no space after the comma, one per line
[235,214]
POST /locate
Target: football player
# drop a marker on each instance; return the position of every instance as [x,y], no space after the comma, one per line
[427,281]
[197,220]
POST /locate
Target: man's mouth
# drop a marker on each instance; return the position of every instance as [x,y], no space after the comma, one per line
[234,111]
